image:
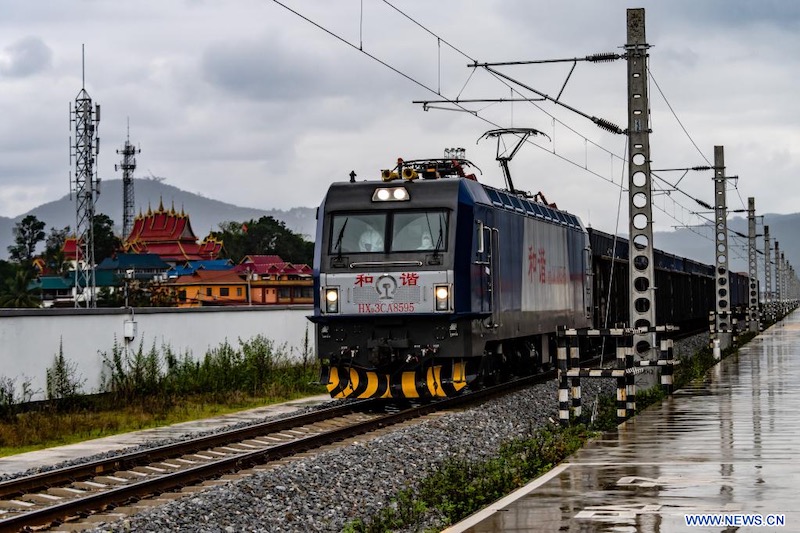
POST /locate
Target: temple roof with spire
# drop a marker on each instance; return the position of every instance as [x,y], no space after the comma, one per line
[169,234]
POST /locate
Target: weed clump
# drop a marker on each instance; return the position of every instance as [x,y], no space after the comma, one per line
[143,388]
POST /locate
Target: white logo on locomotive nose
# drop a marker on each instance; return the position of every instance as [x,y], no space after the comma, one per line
[386,287]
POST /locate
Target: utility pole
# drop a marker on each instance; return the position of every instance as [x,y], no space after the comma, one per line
[752,308]
[767,268]
[768,311]
[640,224]
[722,331]
[783,271]
[778,294]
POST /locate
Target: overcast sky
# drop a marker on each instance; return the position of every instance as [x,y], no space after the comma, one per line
[245,102]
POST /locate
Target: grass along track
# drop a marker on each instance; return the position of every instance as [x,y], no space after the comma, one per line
[58,495]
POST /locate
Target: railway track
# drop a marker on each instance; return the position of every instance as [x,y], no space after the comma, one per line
[70,494]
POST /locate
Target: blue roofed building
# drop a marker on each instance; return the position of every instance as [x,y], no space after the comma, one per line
[55,291]
[111,275]
[190,267]
[142,267]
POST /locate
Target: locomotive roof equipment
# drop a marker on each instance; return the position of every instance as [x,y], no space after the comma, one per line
[522,135]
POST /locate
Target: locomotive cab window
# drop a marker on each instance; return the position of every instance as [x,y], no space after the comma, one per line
[398,231]
[358,233]
[419,230]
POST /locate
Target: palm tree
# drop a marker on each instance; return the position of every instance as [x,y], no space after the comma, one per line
[17,293]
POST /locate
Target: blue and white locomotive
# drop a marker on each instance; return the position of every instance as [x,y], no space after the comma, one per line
[428,282]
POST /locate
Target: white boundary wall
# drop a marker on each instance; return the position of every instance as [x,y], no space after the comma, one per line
[30,338]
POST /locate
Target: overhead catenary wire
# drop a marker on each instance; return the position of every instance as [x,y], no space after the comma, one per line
[603,57]
[499,77]
[674,114]
[430,89]
[613,253]
[600,122]
[685,131]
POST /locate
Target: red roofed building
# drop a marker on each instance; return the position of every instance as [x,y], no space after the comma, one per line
[70,248]
[262,259]
[274,281]
[169,235]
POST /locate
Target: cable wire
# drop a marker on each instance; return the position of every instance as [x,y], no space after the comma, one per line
[498,78]
[678,120]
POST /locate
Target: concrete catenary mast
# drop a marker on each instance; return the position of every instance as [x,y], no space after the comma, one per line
[127,165]
[767,269]
[778,274]
[640,266]
[752,308]
[86,187]
[723,329]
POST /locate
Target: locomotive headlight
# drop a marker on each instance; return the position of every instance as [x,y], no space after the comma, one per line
[400,194]
[390,194]
[442,297]
[332,300]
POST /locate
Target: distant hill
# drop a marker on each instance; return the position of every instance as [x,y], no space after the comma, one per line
[698,243]
[205,214]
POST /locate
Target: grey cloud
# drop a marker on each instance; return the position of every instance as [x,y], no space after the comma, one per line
[781,13]
[260,71]
[267,70]
[26,57]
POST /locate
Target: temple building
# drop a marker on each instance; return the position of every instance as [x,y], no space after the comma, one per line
[169,235]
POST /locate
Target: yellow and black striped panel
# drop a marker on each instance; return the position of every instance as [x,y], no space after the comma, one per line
[446,380]
[356,383]
[437,381]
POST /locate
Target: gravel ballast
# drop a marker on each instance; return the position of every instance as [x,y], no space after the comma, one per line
[327,491]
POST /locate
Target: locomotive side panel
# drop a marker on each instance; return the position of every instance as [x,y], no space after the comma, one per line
[530,273]
[555,268]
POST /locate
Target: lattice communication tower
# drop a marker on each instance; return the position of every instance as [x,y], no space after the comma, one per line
[128,165]
[85,117]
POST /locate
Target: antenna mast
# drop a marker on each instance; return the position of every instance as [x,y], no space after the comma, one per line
[86,187]
[128,165]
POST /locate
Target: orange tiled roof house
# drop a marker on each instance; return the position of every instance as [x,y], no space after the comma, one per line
[169,235]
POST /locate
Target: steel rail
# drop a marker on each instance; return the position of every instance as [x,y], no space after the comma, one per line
[79,472]
[136,490]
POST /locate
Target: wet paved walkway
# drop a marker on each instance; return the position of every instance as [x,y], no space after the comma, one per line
[727,447]
[52,456]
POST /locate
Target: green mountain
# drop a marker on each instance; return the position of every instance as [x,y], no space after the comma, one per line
[698,242]
[204,213]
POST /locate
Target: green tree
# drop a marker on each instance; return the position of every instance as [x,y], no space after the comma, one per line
[54,258]
[16,292]
[265,236]
[28,233]
[106,243]
[7,271]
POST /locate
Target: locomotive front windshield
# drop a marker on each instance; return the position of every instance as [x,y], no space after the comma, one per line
[397,231]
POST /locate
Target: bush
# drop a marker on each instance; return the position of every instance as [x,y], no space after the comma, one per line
[63,381]
[255,367]
[10,401]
